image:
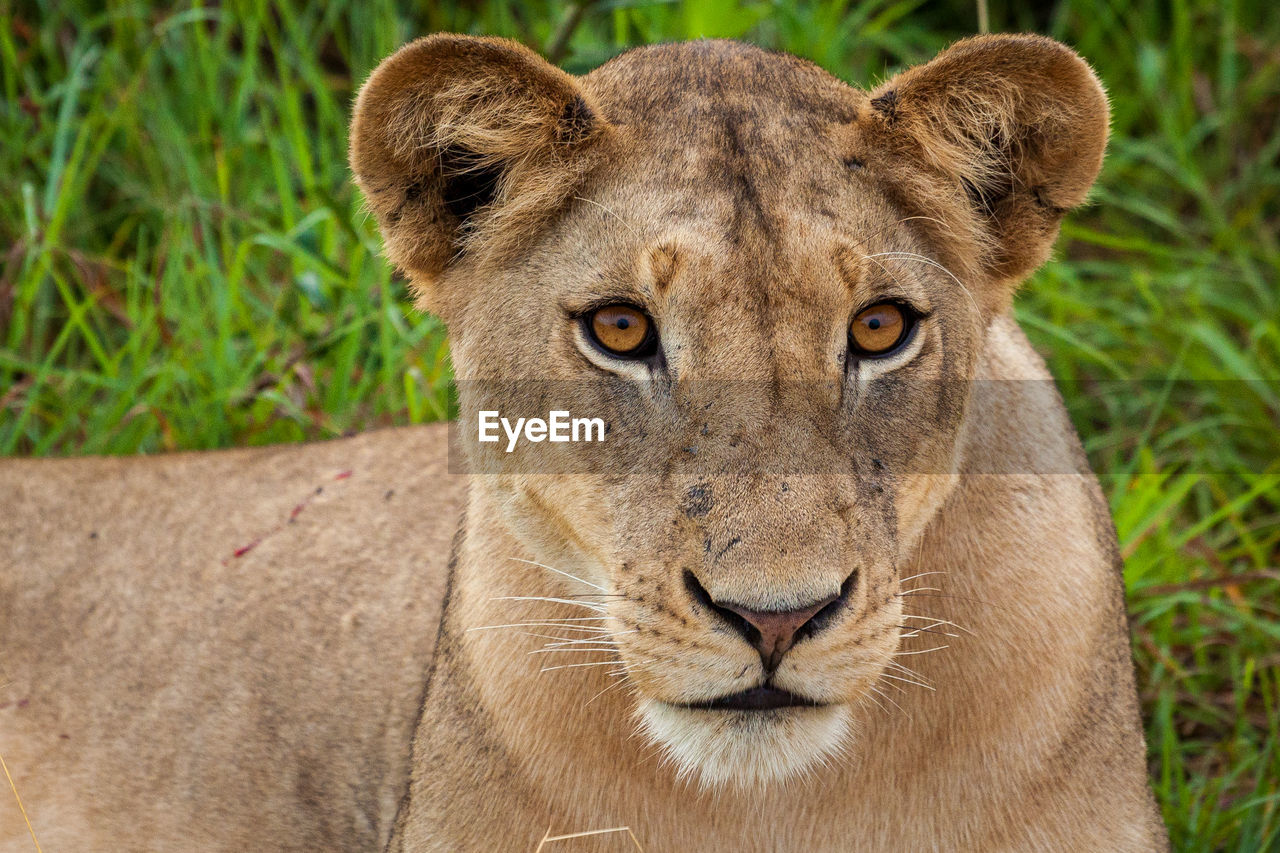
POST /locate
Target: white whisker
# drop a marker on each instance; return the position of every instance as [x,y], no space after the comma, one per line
[552,624]
[912,256]
[936,621]
[906,680]
[599,608]
[931,628]
[920,575]
[610,212]
[885,696]
[922,651]
[880,231]
[619,681]
[908,671]
[560,639]
[560,572]
[601,638]
[591,663]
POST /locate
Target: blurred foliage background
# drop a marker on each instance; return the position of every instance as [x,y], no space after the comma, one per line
[184,263]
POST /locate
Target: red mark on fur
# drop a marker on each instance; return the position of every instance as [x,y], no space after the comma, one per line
[245,549]
[293,514]
[22,703]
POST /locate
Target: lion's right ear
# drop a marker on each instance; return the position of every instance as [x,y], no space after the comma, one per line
[463,144]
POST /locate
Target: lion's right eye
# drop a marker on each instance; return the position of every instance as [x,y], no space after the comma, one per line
[623,331]
[877,331]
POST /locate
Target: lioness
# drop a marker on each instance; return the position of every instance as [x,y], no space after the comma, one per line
[871,602]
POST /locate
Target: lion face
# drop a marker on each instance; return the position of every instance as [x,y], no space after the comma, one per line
[761,481]
[773,287]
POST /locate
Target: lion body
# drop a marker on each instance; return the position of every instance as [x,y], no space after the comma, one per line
[267,701]
[239,650]
[219,651]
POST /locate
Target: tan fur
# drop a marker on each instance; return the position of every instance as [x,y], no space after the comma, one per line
[158,692]
[751,203]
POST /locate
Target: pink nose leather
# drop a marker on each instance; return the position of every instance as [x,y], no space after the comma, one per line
[777,628]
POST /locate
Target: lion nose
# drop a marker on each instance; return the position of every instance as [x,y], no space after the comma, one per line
[771,632]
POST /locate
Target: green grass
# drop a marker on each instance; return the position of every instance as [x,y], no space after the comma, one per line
[185,264]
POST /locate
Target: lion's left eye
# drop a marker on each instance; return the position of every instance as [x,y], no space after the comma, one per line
[623,331]
[880,329]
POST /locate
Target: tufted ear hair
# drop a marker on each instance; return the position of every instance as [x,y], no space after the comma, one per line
[997,137]
[462,145]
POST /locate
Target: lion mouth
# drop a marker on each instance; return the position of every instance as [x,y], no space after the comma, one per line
[756,699]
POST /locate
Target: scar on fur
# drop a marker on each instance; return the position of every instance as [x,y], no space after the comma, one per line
[293,514]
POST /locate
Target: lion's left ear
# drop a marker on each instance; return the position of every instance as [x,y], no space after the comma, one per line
[998,136]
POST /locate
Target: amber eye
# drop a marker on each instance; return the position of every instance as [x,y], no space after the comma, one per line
[622,330]
[878,329]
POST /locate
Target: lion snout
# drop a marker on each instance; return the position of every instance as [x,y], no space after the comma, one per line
[771,632]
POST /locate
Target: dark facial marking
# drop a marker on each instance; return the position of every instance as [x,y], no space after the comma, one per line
[698,501]
[747,202]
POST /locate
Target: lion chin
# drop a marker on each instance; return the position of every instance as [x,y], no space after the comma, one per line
[745,749]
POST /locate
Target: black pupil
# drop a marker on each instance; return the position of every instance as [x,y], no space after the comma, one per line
[873,323]
[624,323]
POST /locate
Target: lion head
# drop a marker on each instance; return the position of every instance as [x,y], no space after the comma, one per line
[775,287]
